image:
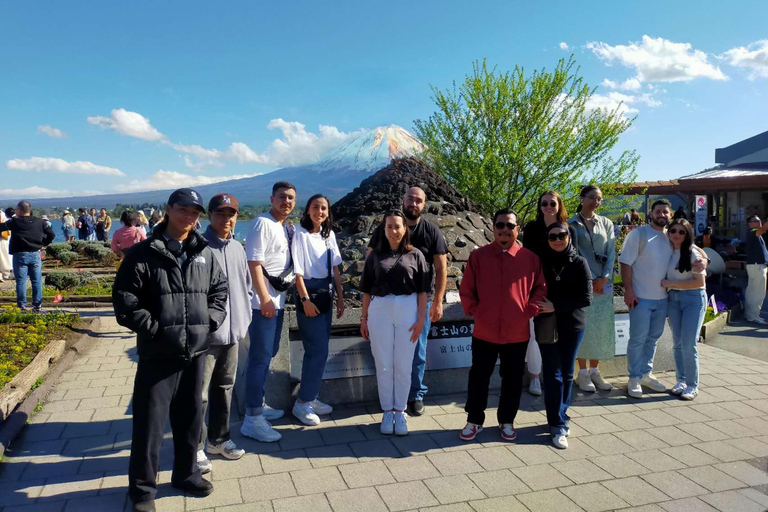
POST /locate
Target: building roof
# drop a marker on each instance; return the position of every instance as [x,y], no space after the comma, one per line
[722,179]
[726,172]
[741,149]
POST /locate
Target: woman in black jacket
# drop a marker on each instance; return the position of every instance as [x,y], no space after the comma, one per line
[569,294]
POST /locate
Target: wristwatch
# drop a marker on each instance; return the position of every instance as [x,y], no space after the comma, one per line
[305,299]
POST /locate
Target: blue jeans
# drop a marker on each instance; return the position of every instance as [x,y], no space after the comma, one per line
[686,314]
[265,342]
[646,325]
[558,360]
[28,263]
[418,389]
[315,335]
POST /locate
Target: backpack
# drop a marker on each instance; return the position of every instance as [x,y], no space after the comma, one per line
[89,224]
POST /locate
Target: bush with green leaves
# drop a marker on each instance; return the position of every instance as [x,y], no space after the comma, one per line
[78,245]
[68,279]
[54,250]
[67,257]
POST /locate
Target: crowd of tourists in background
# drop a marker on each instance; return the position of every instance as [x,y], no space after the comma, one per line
[191,297]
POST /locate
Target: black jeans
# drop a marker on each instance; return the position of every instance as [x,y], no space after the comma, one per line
[558,361]
[484,356]
[165,385]
[218,382]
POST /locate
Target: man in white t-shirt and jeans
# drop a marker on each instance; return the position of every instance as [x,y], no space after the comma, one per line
[267,247]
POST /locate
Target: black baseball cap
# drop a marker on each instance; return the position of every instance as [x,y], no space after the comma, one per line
[186,197]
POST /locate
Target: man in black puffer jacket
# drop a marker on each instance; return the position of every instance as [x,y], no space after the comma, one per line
[172,293]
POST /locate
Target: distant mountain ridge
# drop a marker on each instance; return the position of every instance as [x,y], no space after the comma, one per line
[335,174]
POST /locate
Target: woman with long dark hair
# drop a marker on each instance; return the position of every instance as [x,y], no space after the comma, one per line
[596,242]
[569,294]
[687,306]
[395,283]
[316,260]
[549,209]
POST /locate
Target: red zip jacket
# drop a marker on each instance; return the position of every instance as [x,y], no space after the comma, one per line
[499,290]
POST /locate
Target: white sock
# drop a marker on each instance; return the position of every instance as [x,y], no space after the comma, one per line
[593,370]
[582,371]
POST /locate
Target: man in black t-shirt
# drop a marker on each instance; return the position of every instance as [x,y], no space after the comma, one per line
[427,238]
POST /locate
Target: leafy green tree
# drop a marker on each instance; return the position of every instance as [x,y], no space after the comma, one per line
[504,138]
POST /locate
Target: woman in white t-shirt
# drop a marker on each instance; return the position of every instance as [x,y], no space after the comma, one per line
[314,252]
[687,306]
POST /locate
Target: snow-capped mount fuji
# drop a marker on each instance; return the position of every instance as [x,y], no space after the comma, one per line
[335,174]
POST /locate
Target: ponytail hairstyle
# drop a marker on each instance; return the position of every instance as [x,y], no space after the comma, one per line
[584,191]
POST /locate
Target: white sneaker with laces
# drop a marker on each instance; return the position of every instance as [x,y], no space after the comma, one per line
[271,414]
[599,381]
[678,388]
[634,389]
[690,393]
[560,441]
[388,423]
[585,383]
[203,463]
[401,424]
[228,449]
[320,408]
[258,428]
[534,387]
[470,431]
[305,413]
[650,381]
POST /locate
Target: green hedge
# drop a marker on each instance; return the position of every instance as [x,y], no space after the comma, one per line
[68,279]
[54,250]
[67,257]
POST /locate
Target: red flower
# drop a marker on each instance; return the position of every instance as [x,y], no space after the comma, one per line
[58,298]
[79,270]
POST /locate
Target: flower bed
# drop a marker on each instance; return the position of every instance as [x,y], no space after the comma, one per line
[23,335]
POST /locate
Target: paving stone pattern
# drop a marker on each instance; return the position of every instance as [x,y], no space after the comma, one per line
[655,454]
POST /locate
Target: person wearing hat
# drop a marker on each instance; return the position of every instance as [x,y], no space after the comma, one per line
[171,291]
[68,226]
[221,357]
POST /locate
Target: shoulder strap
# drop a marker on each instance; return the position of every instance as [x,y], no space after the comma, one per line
[328,252]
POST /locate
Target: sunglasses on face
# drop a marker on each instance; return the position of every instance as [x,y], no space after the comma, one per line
[595,199]
[551,204]
[557,236]
[508,225]
[674,231]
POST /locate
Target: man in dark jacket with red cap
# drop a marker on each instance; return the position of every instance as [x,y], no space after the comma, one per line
[172,293]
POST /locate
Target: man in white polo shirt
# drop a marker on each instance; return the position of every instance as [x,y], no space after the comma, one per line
[267,248]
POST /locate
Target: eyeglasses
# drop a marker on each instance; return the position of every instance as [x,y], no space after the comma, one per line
[551,204]
[595,199]
[557,236]
[508,225]
[674,231]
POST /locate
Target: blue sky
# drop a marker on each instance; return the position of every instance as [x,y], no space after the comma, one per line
[109,96]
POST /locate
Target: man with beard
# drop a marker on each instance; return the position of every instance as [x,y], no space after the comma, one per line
[426,237]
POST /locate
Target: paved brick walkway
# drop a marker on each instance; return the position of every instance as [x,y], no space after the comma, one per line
[657,454]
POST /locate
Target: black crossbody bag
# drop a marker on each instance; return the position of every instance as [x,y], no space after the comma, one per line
[322,298]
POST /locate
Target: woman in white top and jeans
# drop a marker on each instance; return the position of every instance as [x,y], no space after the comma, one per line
[314,252]
[687,306]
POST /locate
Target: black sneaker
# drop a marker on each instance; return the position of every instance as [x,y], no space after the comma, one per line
[144,506]
[416,407]
[202,488]
[37,309]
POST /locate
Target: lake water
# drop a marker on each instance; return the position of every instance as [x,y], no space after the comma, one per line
[241,229]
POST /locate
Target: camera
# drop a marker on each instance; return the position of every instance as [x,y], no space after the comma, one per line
[601,258]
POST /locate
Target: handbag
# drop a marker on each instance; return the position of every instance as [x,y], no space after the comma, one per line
[279,283]
[322,298]
[545,329]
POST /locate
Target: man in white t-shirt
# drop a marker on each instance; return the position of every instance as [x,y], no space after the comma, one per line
[267,247]
[643,261]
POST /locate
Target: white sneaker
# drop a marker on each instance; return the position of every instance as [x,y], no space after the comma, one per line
[508,432]
[271,414]
[560,441]
[203,463]
[633,388]
[305,413]
[388,423]
[534,387]
[585,383]
[678,388]
[690,393]
[599,381]
[258,428]
[650,381]
[320,408]
[401,424]
[228,449]
[470,431]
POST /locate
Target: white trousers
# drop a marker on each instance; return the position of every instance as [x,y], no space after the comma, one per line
[389,319]
[755,291]
[533,355]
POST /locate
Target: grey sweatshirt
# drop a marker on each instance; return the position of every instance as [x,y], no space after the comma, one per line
[230,255]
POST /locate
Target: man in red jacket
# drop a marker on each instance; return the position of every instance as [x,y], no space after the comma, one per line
[500,288]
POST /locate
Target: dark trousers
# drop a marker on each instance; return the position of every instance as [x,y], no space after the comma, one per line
[484,356]
[558,360]
[162,386]
[218,382]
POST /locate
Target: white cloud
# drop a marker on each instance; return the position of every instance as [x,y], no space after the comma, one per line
[659,60]
[32,192]
[564,46]
[196,150]
[52,132]
[753,57]
[298,146]
[244,154]
[172,179]
[43,164]
[631,84]
[128,123]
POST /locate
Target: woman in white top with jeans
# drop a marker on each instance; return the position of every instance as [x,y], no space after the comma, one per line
[687,306]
